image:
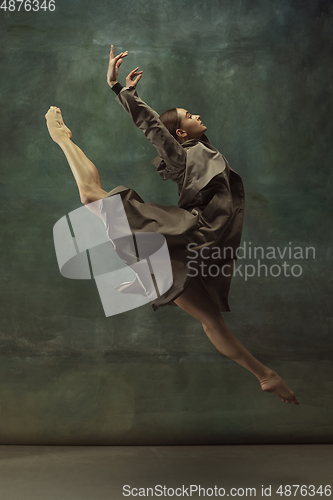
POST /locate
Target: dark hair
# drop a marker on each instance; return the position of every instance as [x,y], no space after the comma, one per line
[171,120]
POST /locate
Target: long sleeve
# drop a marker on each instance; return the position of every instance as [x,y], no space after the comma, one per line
[145,118]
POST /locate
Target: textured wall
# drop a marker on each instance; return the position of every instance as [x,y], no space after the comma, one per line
[259,73]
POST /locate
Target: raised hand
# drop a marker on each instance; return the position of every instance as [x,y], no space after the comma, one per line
[130,81]
[114,64]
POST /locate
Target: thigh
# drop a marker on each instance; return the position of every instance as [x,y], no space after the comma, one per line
[195,302]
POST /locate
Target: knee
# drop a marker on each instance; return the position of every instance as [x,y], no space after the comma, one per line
[212,324]
[85,199]
[86,194]
[91,194]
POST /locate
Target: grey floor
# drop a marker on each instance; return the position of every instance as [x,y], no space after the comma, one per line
[101,472]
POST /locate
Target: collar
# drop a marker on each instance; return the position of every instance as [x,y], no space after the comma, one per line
[192,142]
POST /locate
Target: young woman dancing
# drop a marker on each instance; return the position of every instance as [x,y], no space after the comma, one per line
[207,222]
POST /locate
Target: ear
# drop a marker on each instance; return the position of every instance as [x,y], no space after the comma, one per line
[181,133]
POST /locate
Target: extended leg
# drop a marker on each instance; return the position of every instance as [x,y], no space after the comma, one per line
[194,301]
[84,171]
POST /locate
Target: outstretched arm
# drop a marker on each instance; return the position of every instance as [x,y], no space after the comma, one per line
[143,116]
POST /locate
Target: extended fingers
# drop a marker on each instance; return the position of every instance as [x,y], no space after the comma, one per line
[135,72]
[138,78]
[119,56]
[122,54]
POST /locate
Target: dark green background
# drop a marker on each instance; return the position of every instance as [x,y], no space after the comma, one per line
[260,74]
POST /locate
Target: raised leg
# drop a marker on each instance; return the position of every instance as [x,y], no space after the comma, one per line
[84,171]
[194,301]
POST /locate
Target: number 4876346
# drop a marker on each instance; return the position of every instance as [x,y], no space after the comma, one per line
[27,5]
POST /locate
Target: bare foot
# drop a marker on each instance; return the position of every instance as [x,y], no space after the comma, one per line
[55,124]
[274,383]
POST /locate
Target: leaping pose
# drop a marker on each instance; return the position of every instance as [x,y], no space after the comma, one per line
[207,221]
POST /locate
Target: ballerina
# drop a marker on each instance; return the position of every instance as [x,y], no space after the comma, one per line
[209,214]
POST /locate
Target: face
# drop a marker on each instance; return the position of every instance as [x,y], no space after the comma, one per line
[192,126]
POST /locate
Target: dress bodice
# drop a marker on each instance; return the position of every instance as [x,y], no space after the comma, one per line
[205,195]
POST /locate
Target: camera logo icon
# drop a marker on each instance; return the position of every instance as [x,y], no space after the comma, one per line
[130,269]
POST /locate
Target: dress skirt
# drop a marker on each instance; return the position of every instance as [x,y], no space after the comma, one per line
[200,240]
